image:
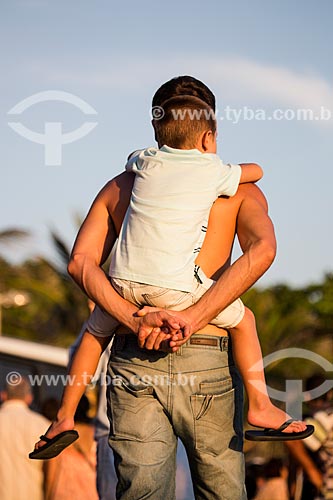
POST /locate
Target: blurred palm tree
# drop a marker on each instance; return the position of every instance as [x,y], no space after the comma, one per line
[57,306]
[301,318]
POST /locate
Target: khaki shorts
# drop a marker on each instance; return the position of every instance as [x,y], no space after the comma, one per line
[141,294]
[102,324]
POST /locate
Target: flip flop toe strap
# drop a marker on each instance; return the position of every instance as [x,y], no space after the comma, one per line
[45,438]
[282,427]
[286,424]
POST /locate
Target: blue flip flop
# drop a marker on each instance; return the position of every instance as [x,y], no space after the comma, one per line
[54,446]
[278,435]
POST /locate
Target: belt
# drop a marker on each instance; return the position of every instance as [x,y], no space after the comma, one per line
[221,343]
[196,340]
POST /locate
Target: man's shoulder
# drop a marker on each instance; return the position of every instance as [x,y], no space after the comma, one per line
[121,183]
[116,194]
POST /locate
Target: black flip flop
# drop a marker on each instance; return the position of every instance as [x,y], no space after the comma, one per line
[278,435]
[54,446]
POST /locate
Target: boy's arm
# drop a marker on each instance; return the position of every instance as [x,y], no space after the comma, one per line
[251,172]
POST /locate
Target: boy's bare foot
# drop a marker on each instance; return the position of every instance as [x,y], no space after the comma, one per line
[269,416]
[58,426]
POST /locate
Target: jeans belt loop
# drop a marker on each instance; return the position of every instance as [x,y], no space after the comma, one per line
[179,352]
[224,343]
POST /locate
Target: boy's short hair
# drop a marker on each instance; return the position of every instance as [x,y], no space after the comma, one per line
[183,119]
[183,85]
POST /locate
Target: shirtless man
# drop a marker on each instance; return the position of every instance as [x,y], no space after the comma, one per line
[144,438]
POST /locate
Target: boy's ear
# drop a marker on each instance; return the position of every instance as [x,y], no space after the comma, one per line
[207,139]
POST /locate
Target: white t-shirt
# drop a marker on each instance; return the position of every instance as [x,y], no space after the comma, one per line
[167,217]
[20,477]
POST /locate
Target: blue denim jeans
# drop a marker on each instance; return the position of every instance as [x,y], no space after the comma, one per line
[155,398]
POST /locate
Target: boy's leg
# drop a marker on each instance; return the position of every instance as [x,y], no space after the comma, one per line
[215,254]
[240,322]
[82,369]
[248,359]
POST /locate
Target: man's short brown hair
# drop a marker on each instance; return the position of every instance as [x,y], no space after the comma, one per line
[180,121]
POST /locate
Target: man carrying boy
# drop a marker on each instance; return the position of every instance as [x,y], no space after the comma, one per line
[122,439]
[154,258]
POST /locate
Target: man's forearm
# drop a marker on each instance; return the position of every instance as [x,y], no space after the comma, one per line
[93,281]
[256,236]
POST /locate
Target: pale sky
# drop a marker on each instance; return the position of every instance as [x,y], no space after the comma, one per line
[259,55]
